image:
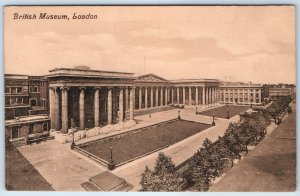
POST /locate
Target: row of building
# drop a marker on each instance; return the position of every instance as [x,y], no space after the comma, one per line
[87,98]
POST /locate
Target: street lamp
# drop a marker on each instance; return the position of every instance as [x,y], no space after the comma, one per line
[213,123]
[228,113]
[73,142]
[111,164]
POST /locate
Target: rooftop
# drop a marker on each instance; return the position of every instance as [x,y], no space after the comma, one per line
[73,72]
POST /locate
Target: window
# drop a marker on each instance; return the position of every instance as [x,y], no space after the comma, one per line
[33,103]
[36,89]
[42,84]
[7,90]
[15,132]
[19,100]
[19,89]
[30,89]
[45,127]
[43,101]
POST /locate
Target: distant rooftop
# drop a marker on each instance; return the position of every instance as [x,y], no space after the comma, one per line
[16,76]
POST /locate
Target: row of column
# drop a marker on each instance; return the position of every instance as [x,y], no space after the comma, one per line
[55,106]
[164,91]
[209,95]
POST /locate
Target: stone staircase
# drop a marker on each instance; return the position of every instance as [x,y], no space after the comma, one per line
[106,181]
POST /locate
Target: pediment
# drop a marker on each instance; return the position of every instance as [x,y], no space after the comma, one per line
[151,78]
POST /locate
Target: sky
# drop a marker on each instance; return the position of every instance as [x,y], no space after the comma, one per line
[248,43]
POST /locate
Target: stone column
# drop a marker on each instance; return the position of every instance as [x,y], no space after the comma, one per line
[166,96]
[81,109]
[213,95]
[172,95]
[64,110]
[259,96]
[249,100]
[203,95]
[109,106]
[183,95]
[96,107]
[197,96]
[140,98]
[56,110]
[52,107]
[178,102]
[161,96]
[146,97]
[238,92]
[190,95]
[126,98]
[121,107]
[207,97]
[156,96]
[131,102]
[151,97]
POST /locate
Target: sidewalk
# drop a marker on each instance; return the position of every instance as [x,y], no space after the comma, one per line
[270,166]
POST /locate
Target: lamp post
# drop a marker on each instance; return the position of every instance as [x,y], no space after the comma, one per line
[111,164]
[228,113]
[213,123]
[73,142]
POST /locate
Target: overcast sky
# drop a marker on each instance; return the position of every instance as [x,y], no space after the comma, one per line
[239,43]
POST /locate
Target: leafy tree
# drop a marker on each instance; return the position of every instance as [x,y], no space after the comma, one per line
[163,178]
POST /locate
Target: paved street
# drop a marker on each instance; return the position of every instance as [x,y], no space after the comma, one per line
[270,166]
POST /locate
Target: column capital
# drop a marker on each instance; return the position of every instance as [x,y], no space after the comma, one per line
[81,88]
[64,88]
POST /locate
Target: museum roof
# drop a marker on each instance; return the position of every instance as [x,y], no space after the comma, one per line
[194,80]
[73,72]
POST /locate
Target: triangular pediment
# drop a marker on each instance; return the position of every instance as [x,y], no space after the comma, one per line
[151,78]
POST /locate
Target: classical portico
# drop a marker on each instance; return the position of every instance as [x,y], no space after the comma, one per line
[89,98]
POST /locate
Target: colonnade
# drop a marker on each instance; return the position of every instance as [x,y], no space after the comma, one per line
[209,95]
[59,106]
[119,99]
[165,95]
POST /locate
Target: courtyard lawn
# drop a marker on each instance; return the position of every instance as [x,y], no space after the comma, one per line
[133,145]
[20,175]
[221,112]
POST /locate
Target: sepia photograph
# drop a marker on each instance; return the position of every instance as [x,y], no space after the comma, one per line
[195,98]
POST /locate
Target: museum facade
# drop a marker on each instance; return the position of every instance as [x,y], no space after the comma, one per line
[92,98]
[85,98]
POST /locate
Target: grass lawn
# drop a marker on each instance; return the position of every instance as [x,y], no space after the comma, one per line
[221,112]
[133,145]
[20,175]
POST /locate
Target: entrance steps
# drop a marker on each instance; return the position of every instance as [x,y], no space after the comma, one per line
[106,181]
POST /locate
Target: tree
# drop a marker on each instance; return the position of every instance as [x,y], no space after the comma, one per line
[163,178]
